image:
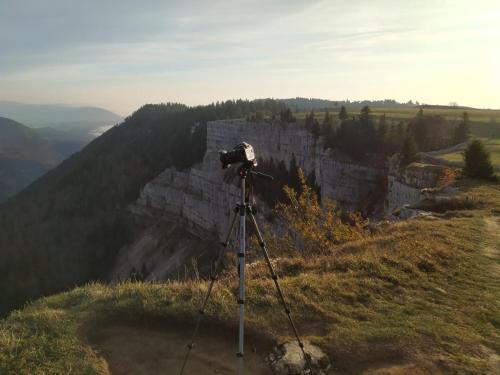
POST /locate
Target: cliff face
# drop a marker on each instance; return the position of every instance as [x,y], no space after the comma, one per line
[204,198]
[201,199]
[408,185]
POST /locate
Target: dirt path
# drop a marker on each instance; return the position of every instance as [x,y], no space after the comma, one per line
[145,350]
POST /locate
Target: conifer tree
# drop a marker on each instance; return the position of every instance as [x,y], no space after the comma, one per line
[343,114]
[462,131]
[408,151]
[382,130]
[477,161]
[310,120]
[327,130]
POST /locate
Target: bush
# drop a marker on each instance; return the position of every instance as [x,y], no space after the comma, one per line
[313,228]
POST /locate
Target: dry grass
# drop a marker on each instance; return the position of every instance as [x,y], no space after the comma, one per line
[420,291]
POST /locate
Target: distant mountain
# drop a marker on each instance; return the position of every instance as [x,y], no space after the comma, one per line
[59,116]
[24,156]
[60,130]
[18,142]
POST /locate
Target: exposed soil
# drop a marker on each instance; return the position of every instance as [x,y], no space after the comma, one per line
[139,350]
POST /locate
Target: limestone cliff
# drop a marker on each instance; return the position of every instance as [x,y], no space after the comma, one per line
[200,199]
[203,197]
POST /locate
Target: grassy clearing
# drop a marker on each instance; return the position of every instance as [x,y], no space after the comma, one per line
[484,122]
[484,116]
[492,145]
[422,291]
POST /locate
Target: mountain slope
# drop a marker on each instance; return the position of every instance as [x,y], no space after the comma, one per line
[19,142]
[24,156]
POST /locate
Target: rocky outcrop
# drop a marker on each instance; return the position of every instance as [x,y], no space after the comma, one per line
[288,359]
[412,184]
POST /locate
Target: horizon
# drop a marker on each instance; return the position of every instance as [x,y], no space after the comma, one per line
[81,54]
[416,103]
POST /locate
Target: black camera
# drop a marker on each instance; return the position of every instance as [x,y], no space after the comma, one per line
[241,153]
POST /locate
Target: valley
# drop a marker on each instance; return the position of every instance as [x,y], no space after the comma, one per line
[36,138]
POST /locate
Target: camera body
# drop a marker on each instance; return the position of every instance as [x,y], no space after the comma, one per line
[241,153]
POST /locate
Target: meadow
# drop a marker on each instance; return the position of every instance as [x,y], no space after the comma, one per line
[492,146]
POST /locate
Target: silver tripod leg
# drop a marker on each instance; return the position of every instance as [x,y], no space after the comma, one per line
[281,296]
[213,278]
[241,297]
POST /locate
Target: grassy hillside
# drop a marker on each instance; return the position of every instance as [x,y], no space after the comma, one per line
[420,295]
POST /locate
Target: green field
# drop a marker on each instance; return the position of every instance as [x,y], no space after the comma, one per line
[492,145]
[484,122]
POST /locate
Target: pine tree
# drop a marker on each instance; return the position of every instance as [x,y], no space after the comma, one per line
[286,116]
[367,131]
[462,131]
[408,151]
[418,130]
[327,130]
[310,120]
[365,114]
[343,114]
[382,130]
[477,161]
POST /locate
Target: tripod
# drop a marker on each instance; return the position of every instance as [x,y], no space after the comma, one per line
[242,209]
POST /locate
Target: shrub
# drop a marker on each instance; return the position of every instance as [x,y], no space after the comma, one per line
[311,227]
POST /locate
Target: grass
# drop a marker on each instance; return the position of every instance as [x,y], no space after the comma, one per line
[421,290]
[492,146]
[484,122]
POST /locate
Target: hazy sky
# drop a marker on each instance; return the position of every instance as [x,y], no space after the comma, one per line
[121,54]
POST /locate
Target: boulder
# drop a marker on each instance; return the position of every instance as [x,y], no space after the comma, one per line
[287,359]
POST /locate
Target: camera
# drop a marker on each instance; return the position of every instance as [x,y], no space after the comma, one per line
[241,153]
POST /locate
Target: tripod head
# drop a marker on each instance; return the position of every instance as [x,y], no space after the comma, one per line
[244,170]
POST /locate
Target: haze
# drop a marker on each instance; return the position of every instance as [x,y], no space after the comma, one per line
[122,54]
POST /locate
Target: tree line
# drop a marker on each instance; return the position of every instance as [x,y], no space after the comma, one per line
[365,137]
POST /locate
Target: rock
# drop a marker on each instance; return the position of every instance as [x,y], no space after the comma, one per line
[450,190]
[287,359]
[410,213]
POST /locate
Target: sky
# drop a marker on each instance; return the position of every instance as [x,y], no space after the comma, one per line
[122,54]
